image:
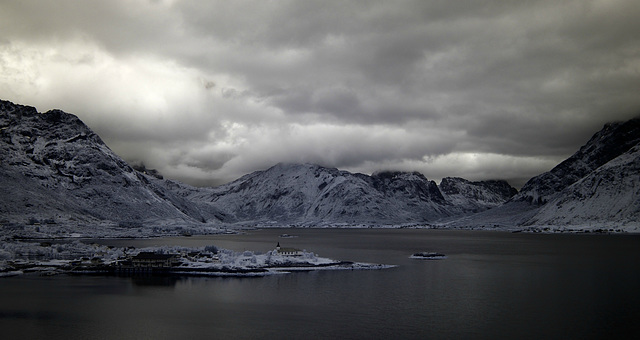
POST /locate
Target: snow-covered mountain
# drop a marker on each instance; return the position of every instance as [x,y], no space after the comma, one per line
[314,195]
[608,197]
[475,196]
[612,141]
[598,187]
[55,170]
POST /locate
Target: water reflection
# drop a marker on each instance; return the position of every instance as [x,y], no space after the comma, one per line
[154,281]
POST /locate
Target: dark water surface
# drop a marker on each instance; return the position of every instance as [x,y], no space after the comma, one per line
[492,286]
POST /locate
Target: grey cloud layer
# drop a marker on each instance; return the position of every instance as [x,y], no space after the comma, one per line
[207,91]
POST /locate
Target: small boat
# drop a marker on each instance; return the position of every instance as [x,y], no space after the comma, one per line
[287,236]
[428,256]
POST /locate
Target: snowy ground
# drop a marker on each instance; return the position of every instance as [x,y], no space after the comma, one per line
[65,230]
[76,257]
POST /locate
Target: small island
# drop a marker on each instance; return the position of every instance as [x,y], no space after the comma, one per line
[77,258]
[424,255]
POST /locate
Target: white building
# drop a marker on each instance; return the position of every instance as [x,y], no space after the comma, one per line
[288,251]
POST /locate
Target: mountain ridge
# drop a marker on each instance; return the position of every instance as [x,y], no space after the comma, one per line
[611,141]
[56,171]
[310,194]
[578,193]
[54,168]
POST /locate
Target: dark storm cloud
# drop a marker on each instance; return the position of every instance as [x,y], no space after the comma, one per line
[207,91]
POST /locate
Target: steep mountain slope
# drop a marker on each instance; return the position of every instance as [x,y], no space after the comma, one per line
[314,195]
[607,197]
[612,141]
[54,169]
[597,186]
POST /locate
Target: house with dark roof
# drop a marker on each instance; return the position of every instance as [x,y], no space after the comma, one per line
[288,251]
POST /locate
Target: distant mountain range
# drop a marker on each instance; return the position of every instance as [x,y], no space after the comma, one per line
[307,194]
[55,171]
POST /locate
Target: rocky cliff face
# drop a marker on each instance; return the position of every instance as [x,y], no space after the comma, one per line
[54,169]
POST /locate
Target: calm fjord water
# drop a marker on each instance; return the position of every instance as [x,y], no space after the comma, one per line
[491,285]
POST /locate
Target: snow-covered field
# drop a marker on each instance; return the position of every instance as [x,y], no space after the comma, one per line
[76,257]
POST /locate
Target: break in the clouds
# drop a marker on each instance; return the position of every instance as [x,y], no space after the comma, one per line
[208,91]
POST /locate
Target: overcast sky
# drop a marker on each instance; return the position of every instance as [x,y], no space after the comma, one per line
[207,91]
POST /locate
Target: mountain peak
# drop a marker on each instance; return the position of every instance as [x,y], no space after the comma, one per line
[54,167]
[612,141]
[9,109]
[395,175]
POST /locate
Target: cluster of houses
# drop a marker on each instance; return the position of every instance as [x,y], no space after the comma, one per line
[150,261]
